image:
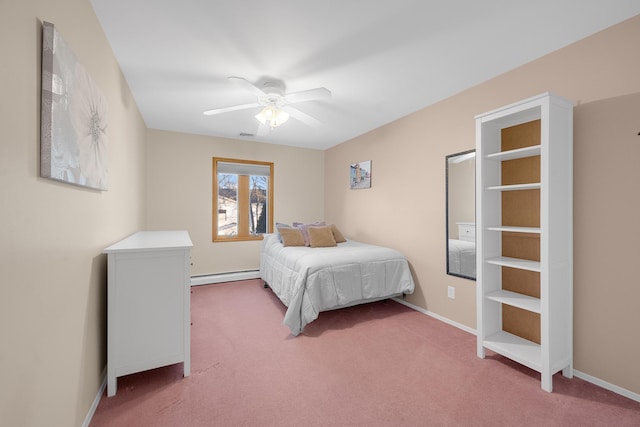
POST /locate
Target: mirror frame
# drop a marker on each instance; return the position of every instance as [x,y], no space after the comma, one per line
[447,210]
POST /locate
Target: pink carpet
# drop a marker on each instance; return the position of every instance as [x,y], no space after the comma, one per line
[379,364]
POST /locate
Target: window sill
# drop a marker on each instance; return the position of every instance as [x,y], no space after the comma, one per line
[217,239]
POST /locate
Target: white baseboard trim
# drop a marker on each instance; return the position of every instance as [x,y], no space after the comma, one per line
[209,279]
[588,378]
[96,401]
[437,316]
[606,385]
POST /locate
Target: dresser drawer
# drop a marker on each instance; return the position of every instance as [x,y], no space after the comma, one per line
[467,231]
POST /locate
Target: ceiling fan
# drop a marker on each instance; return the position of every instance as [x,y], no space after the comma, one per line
[275,103]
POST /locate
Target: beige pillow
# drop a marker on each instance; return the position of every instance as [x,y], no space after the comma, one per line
[291,236]
[303,227]
[320,237]
[337,235]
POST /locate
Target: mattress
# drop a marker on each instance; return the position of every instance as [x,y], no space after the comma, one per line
[462,258]
[311,280]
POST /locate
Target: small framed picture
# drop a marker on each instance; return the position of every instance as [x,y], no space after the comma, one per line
[360,175]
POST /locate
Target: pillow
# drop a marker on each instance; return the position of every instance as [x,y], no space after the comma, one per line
[320,237]
[303,227]
[280,225]
[291,236]
[337,235]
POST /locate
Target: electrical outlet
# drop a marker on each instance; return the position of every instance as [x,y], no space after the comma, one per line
[451,292]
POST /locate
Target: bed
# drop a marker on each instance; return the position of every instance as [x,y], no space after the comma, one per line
[462,257]
[309,280]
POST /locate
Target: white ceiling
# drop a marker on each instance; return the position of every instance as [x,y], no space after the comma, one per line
[381,59]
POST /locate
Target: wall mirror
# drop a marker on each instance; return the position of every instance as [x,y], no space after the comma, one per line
[461,214]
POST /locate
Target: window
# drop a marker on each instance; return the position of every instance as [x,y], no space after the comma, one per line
[242,199]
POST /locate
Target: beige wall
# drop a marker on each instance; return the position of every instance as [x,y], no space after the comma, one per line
[461,179]
[606,205]
[52,273]
[180,192]
[404,208]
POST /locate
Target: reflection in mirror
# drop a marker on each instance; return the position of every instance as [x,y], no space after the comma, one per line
[461,212]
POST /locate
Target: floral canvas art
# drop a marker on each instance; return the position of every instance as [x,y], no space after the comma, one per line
[74,145]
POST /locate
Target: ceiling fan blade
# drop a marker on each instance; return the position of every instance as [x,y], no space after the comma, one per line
[303,117]
[247,85]
[228,109]
[308,95]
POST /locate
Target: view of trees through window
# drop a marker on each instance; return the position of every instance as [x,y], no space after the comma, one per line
[228,204]
[242,199]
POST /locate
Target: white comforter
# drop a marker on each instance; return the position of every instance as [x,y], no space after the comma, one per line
[462,258]
[310,280]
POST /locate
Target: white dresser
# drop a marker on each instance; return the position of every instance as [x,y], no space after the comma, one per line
[467,231]
[148,303]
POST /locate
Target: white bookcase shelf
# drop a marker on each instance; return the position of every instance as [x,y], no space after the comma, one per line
[516,187]
[524,238]
[515,348]
[535,230]
[515,299]
[522,264]
[518,153]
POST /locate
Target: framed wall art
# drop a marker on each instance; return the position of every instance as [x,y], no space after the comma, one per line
[73,128]
[360,175]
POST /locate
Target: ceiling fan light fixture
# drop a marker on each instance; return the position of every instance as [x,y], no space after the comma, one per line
[272,115]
